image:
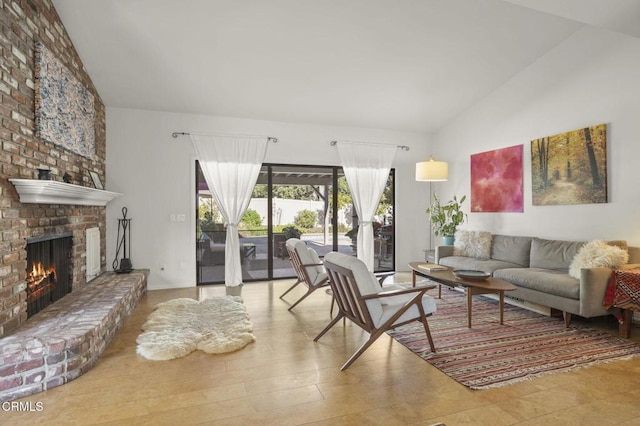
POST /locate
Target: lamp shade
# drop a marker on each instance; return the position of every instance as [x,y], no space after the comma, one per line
[432,171]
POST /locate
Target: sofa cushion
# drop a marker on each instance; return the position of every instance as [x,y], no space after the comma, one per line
[511,249]
[548,281]
[463,262]
[619,243]
[553,254]
[598,254]
[472,243]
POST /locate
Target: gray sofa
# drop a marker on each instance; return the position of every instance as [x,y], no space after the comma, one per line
[539,269]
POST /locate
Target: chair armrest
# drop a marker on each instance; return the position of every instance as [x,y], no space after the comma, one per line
[307,266]
[421,289]
[443,251]
[381,276]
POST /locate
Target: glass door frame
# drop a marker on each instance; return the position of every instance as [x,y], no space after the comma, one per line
[336,172]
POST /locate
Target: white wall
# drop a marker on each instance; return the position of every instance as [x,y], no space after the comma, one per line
[155,172]
[591,78]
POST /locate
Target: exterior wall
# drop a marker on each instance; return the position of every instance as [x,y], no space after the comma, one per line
[22,24]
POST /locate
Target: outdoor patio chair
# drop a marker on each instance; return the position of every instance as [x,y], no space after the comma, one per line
[374,308]
[309,269]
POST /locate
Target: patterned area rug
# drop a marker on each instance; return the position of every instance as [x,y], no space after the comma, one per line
[180,326]
[489,355]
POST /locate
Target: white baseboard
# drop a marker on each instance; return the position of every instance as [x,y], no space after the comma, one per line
[168,286]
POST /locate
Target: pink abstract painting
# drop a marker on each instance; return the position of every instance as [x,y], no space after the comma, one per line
[496,180]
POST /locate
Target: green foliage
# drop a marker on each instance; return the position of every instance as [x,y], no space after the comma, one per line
[386,200]
[306,219]
[259,191]
[289,192]
[446,218]
[208,213]
[251,219]
[341,227]
[344,196]
[278,229]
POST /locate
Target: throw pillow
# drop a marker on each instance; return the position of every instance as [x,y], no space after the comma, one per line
[596,254]
[472,244]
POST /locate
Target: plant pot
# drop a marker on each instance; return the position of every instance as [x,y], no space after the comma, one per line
[447,240]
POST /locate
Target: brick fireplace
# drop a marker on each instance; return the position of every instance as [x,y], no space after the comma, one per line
[23,152]
[64,339]
[48,270]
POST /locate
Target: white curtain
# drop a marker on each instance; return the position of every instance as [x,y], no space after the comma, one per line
[231,165]
[366,168]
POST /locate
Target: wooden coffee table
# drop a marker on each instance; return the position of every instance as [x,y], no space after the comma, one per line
[489,286]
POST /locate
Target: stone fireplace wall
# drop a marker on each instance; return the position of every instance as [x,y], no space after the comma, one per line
[22,24]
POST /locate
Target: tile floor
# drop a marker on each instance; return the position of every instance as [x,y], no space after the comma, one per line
[284,378]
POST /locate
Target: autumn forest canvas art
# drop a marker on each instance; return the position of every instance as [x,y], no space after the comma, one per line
[570,168]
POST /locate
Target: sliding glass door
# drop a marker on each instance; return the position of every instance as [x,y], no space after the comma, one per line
[307,202]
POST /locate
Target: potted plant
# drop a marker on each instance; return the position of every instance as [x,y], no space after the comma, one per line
[445,218]
[353,234]
[291,232]
[280,238]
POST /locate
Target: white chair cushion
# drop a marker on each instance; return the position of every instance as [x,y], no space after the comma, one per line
[365,280]
[291,242]
[380,309]
[389,309]
[319,270]
[319,278]
[306,259]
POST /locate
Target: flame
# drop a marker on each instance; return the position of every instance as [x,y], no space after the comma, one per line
[39,280]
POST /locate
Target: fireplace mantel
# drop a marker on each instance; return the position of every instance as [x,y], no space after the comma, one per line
[53,192]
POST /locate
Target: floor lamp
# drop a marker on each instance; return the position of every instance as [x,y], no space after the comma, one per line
[432,171]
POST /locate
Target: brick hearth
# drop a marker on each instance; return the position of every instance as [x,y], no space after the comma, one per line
[65,339]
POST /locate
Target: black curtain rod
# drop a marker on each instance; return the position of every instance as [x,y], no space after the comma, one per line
[403,147]
[176,134]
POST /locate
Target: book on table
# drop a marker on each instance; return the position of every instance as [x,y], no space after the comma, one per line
[431,267]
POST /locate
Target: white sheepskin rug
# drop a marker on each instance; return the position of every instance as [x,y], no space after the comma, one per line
[180,326]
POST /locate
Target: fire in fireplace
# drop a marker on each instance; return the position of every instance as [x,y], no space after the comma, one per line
[49,276]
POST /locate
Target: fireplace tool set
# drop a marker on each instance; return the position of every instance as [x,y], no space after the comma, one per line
[124,234]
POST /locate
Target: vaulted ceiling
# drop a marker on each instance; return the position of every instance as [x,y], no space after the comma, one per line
[408,65]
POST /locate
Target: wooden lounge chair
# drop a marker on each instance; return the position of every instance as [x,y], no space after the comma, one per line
[309,269]
[375,309]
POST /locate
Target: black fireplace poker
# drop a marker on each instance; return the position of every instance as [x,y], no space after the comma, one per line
[124,235]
